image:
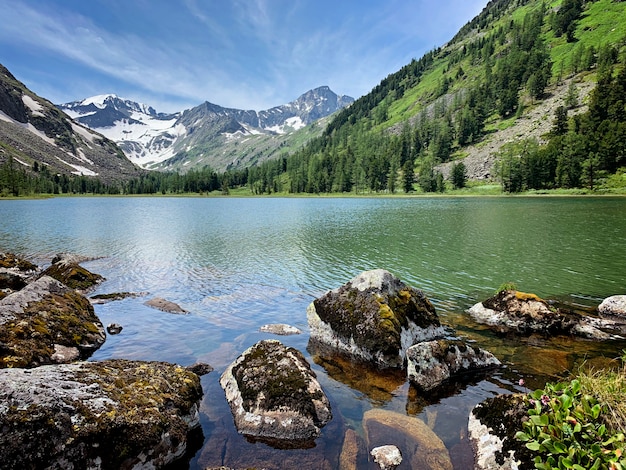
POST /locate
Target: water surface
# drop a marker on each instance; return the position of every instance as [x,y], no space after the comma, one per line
[236,264]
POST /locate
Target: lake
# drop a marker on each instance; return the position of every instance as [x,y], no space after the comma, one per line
[238,263]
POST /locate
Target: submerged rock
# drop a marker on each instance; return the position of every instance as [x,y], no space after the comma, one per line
[165,305]
[280,329]
[274,394]
[106,298]
[65,268]
[419,445]
[614,306]
[47,322]
[110,414]
[374,317]
[522,313]
[431,363]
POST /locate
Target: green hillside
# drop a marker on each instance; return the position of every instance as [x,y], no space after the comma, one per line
[512,99]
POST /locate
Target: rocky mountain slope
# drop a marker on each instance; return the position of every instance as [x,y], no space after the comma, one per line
[207,134]
[39,137]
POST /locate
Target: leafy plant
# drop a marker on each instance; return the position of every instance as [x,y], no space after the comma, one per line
[566,430]
[506,286]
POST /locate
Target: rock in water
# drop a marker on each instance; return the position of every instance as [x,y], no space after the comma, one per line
[274,394]
[387,457]
[43,322]
[614,306]
[374,317]
[431,363]
[65,268]
[110,414]
[166,306]
[523,313]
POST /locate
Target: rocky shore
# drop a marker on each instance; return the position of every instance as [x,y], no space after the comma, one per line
[58,411]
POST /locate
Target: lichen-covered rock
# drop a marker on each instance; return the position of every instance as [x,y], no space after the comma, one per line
[431,363]
[374,317]
[14,273]
[43,322]
[613,306]
[99,299]
[164,305]
[110,414]
[65,268]
[420,446]
[274,394]
[522,313]
[491,429]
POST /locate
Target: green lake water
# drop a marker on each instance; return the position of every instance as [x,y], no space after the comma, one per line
[236,264]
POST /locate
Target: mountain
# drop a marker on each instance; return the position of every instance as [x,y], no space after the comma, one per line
[527,95]
[35,134]
[208,134]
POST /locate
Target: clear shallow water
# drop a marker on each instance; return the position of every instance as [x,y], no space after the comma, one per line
[237,264]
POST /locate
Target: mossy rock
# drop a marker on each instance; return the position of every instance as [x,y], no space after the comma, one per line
[274,394]
[44,315]
[72,275]
[375,316]
[11,261]
[110,414]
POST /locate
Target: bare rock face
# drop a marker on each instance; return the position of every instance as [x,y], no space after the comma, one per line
[110,414]
[522,313]
[47,322]
[65,268]
[374,317]
[274,395]
[431,363]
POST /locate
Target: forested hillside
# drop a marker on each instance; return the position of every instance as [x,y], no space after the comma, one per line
[499,66]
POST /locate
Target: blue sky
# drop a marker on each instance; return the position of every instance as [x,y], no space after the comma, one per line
[247,54]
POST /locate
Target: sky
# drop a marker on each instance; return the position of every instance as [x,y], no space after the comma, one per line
[244,54]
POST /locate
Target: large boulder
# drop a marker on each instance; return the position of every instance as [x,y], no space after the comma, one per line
[65,268]
[47,322]
[110,414]
[374,317]
[419,445]
[274,395]
[523,313]
[431,363]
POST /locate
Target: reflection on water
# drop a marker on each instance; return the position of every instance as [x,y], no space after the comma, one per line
[236,264]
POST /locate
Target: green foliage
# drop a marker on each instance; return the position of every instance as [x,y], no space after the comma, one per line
[506,286]
[566,431]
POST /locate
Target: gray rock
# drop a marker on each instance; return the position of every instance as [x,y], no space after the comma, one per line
[431,363]
[374,317]
[165,305]
[280,329]
[613,306]
[47,322]
[387,457]
[274,394]
[522,313]
[114,328]
[110,414]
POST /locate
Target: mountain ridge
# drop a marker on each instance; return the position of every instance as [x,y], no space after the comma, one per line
[198,136]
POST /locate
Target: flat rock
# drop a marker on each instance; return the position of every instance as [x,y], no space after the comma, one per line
[280,329]
[165,306]
[110,414]
[526,314]
[274,394]
[419,445]
[47,322]
[431,363]
[374,317]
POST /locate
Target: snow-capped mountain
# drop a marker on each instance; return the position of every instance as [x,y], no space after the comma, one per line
[35,134]
[196,136]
